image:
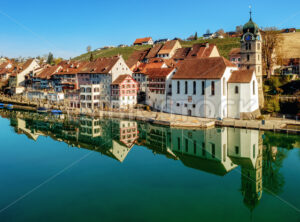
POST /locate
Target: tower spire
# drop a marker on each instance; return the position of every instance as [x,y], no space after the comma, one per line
[250,7]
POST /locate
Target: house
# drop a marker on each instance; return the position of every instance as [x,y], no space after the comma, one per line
[235,56]
[200,87]
[124,92]
[73,98]
[288,30]
[122,46]
[159,88]
[203,50]
[17,78]
[209,35]
[42,78]
[161,41]
[243,95]
[100,74]
[169,49]
[290,66]
[181,53]
[143,41]
[90,96]
[6,69]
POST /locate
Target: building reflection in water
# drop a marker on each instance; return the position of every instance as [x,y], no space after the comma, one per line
[216,151]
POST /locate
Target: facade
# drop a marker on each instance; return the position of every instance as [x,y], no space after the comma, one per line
[159,88]
[251,53]
[90,96]
[124,92]
[235,56]
[17,80]
[202,87]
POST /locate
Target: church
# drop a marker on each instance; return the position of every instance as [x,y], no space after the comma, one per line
[214,87]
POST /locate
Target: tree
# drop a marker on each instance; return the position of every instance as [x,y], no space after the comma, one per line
[207,31]
[271,49]
[239,29]
[91,57]
[88,48]
[196,36]
[50,58]
[221,32]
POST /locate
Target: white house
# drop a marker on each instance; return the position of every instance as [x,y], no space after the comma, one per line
[143,41]
[17,79]
[243,94]
[200,88]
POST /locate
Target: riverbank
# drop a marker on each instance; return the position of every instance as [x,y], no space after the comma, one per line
[173,120]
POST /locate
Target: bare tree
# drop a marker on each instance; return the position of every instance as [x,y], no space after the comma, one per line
[88,48]
[271,49]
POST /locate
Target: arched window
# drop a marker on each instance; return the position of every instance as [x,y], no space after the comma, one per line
[186,87]
[194,87]
[236,90]
[178,87]
[253,84]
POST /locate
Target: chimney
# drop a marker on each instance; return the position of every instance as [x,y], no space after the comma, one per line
[206,44]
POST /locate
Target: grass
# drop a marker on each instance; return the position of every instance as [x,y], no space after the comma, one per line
[297,30]
[224,46]
[125,52]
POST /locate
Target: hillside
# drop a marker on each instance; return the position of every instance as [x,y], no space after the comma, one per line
[224,46]
[291,45]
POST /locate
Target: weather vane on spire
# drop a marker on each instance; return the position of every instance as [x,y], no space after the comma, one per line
[250,6]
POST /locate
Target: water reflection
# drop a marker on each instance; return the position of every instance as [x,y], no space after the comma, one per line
[216,151]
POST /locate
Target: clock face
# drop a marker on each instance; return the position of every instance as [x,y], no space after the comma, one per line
[248,37]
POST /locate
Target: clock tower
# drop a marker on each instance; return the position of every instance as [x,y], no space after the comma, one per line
[251,52]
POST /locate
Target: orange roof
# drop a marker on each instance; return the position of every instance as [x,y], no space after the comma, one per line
[201,50]
[47,72]
[154,50]
[100,65]
[203,68]
[69,68]
[136,57]
[121,79]
[159,72]
[143,67]
[168,46]
[181,53]
[142,40]
[235,52]
[241,76]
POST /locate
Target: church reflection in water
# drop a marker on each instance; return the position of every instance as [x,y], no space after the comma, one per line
[216,151]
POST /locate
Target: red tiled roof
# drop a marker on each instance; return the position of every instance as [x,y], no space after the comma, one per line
[154,50]
[142,40]
[241,76]
[203,68]
[159,72]
[181,53]
[143,67]
[136,57]
[235,52]
[121,79]
[168,46]
[100,65]
[201,50]
[47,72]
[69,68]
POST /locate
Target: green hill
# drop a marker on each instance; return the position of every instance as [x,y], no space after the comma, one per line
[224,46]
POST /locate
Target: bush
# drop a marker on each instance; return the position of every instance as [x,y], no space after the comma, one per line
[272,105]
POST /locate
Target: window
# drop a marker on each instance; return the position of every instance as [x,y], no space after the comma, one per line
[212,88]
[194,87]
[253,84]
[248,57]
[233,59]
[224,152]
[248,67]
[203,87]
[186,87]
[253,151]
[185,105]
[186,145]
[213,150]
[178,104]
[194,105]
[236,90]
[258,46]
[236,150]
[203,149]
[178,87]
[195,146]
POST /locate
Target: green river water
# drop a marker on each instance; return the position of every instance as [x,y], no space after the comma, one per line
[82,169]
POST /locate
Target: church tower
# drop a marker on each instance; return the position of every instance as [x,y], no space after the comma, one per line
[251,53]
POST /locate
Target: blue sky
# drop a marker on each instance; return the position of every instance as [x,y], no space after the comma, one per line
[66,28]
